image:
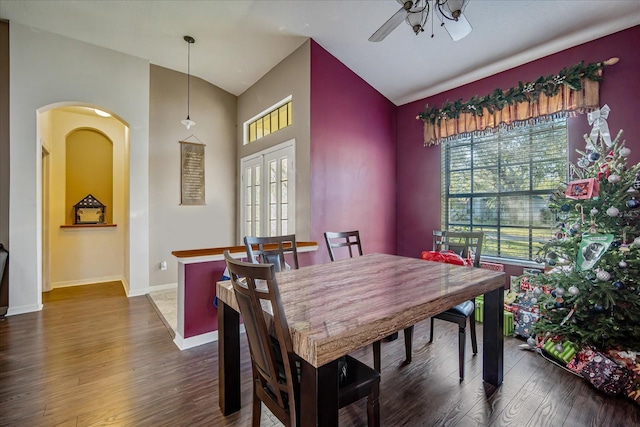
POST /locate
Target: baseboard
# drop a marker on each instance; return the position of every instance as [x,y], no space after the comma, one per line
[137,292]
[69,283]
[163,287]
[187,343]
[12,311]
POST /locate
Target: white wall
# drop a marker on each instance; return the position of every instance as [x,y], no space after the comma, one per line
[46,69]
[85,255]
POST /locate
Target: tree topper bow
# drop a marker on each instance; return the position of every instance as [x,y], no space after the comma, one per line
[598,118]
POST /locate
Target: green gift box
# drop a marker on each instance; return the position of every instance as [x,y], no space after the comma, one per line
[565,355]
[479,316]
[508,323]
[479,311]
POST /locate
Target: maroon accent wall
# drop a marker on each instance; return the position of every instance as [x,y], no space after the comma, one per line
[200,315]
[418,178]
[353,157]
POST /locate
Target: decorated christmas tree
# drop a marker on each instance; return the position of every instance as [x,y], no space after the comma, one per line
[592,263]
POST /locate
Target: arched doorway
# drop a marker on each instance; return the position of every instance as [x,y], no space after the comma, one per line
[87,153]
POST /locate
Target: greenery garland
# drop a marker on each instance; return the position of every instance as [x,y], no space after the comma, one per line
[524,92]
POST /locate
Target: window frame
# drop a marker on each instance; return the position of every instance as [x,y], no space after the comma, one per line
[267,113]
[533,227]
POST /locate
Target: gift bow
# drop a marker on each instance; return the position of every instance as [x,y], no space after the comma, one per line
[598,118]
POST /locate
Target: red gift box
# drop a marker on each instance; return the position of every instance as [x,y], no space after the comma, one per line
[583,189]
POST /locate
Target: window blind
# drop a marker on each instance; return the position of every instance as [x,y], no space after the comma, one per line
[500,183]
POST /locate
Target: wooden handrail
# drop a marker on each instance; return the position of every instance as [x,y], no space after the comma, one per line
[233,249]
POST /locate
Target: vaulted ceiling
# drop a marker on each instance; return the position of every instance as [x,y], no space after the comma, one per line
[237,42]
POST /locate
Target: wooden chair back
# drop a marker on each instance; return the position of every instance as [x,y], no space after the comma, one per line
[272,250]
[275,379]
[348,239]
[462,243]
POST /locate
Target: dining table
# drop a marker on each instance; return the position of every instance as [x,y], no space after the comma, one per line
[336,308]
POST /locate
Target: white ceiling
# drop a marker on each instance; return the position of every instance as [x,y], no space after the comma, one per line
[237,42]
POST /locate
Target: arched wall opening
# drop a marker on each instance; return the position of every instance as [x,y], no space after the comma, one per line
[87,154]
[89,171]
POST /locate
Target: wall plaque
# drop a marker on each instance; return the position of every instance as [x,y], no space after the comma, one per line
[192,173]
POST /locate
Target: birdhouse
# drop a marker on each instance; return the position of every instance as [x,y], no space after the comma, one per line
[89,210]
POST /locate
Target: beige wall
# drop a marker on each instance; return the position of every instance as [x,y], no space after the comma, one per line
[173,227]
[83,255]
[89,170]
[289,77]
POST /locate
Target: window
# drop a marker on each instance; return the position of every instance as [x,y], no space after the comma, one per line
[268,192]
[272,119]
[500,184]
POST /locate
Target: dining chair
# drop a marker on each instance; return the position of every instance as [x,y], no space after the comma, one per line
[468,246]
[351,241]
[275,366]
[271,250]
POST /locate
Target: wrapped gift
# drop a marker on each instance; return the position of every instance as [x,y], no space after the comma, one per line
[633,387]
[508,323]
[526,302]
[580,360]
[606,375]
[624,358]
[492,266]
[524,321]
[508,316]
[479,311]
[564,355]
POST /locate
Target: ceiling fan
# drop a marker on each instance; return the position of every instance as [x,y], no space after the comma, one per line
[416,14]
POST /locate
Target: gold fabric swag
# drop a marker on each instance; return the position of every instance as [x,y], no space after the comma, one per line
[573,90]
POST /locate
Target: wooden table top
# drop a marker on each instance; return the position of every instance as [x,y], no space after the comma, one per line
[335,308]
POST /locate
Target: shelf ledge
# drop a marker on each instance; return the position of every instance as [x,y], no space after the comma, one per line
[88,225]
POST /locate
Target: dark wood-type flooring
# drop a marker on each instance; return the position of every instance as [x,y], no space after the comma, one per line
[93,357]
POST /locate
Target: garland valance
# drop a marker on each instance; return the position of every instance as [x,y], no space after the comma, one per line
[573,89]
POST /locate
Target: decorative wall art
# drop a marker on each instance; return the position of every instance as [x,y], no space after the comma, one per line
[192,173]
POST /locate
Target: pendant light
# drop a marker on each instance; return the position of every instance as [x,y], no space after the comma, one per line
[190,40]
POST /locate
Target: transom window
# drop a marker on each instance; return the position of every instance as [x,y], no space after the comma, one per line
[268,192]
[500,183]
[269,121]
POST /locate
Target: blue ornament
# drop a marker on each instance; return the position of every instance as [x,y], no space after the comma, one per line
[618,285]
[598,308]
[593,156]
[558,305]
[633,203]
[553,293]
[565,208]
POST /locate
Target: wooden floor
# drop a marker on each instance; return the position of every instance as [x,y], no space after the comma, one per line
[93,357]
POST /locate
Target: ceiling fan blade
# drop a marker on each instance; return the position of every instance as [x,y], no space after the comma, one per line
[456,29]
[389,26]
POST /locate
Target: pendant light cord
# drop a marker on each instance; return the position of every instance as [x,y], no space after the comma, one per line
[188,76]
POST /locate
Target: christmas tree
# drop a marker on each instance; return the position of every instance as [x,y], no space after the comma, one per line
[592,262]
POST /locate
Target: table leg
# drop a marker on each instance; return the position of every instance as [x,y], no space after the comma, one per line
[228,358]
[319,394]
[493,339]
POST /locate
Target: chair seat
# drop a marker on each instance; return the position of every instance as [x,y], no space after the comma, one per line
[465,309]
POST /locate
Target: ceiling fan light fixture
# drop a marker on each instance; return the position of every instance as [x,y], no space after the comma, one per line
[451,9]
[188,122]
[417,17]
